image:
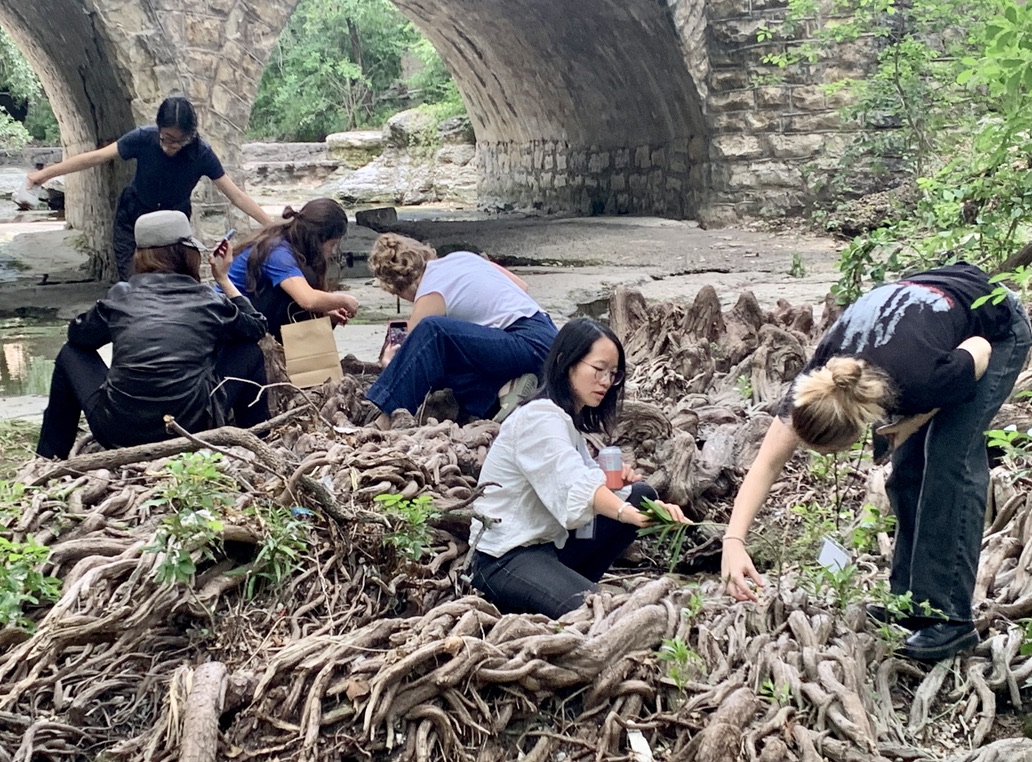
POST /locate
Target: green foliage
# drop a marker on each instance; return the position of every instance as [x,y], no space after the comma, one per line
[338,65]
[798,268]
[1019,277]
[872,522]
[912,89]
[744,386]
[683,663]
[19,81]
[21,582]
[280,552]
[669,533]
[840,587]
[1026,640]
[412,532]
[1016,447]
[694,607]
[776,693]
[197,493]
[201,497]
[181,534]
[973,181]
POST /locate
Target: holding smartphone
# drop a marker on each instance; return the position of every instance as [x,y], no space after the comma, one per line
[396,332]
[223,247]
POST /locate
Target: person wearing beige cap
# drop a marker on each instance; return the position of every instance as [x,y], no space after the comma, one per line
[174,342]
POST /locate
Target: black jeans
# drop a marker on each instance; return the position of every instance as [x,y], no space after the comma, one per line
[939,482]
[540,579]
[76,388]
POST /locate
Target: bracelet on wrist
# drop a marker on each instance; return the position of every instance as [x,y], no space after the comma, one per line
[620,510]
[727,537]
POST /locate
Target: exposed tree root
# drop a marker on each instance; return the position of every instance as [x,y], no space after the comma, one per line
[361,654]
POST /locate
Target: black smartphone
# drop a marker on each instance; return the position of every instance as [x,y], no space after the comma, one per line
[396,331]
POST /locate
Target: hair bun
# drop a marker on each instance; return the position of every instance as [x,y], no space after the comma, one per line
[289,213]
[845,372]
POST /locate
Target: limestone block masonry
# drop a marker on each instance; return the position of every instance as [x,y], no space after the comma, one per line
[594,107]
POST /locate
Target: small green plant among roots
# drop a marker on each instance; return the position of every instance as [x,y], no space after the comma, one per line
[412,532]
[197,494]
[201,500]
[683,663]
[284,541]
[778,694]
[744,386]
[21,582]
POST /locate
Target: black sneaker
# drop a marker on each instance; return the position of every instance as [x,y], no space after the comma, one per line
[940,641]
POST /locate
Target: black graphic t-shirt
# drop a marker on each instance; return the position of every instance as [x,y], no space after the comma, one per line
[911,329]
[162,181]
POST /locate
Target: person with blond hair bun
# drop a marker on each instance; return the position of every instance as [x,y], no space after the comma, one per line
[918,352]
[474,329]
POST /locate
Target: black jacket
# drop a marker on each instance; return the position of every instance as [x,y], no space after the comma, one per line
[167,331]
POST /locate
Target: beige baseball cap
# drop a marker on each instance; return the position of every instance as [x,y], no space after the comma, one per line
[165,228]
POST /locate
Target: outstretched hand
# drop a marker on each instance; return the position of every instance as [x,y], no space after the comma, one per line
[737,571]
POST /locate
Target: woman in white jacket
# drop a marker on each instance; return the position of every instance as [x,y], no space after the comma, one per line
[527,560]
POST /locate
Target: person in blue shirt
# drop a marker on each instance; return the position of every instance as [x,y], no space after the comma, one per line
[282,269]
[171,159]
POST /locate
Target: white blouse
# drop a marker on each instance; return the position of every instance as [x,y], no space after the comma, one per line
[548,480]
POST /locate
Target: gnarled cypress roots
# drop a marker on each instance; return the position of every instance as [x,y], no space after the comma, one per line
[363,654]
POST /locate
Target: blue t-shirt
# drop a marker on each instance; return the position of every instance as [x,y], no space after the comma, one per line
[279,266]
[162,181]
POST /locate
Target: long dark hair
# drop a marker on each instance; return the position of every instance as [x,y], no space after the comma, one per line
[304,232]
[572,345]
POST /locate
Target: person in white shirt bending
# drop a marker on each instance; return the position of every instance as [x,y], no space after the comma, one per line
[527,561]
[473,329]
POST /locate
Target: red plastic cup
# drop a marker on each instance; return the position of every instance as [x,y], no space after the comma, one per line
[610,460]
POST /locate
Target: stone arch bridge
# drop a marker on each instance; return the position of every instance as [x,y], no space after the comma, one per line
[596,106]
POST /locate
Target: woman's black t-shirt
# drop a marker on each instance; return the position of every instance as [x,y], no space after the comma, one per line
[911,329]
[162,181]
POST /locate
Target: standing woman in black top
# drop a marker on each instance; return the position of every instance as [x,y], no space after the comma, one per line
[919,351]
[171,158]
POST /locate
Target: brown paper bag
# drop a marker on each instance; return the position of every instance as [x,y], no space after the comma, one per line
[310,352]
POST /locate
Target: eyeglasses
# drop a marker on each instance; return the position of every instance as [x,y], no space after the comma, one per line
[613,377]
[170,143]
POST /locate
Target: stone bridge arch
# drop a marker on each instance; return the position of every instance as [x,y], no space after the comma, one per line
[590,106]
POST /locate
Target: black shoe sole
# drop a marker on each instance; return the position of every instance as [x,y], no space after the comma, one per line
[964,643]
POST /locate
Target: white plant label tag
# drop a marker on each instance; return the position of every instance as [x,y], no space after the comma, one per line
[586,532]
[833,556]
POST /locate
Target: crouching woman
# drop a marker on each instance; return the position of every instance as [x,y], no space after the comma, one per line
[174,340]
[527,560]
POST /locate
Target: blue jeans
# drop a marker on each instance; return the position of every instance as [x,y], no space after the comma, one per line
[939,482]
[540,579]
[472,360]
